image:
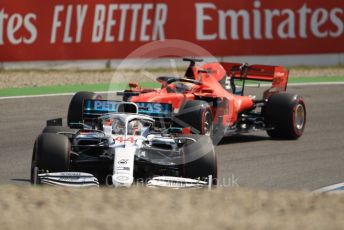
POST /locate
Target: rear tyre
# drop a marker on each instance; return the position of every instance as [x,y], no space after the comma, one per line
[197,115]
[200,159]
[286,115]
[76,106]
[51,153]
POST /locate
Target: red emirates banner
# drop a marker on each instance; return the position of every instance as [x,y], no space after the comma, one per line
[33,30]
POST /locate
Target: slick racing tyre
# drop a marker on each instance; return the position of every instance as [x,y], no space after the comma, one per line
[200,159]
[196,115]
[285,114]
[51,153]
[76,106]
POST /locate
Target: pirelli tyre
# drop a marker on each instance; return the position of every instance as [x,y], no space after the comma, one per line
[285,116]
[76,106]
[51,153]
[197,115]
[200,159]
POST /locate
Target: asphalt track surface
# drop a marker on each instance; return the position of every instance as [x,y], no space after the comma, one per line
[255,161]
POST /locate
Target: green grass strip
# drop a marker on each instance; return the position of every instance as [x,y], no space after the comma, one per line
[68,89]
[121,86]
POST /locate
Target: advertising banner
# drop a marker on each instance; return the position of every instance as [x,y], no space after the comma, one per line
[38,30]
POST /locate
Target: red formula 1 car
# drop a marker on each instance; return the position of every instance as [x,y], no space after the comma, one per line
[209,101]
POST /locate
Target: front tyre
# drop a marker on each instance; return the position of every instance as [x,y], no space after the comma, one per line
[200,159]
[285,114]
[51,153]
[197,115]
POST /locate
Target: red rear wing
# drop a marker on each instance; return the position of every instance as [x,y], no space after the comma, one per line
[278,75]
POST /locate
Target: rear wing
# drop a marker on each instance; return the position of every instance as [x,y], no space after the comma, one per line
[155,109]
[96,108]
[278,75]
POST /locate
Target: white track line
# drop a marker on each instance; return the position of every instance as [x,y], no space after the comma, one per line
[105,92]
[331,188]
[49,95]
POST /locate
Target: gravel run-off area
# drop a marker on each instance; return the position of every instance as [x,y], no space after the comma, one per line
[148,208]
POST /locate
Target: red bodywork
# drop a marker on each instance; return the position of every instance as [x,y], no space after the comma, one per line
[211,89]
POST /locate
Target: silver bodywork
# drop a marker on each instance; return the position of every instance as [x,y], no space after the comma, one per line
[125,146]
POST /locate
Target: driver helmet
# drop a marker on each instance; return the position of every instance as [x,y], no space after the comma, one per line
[118,127]
[134,127]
